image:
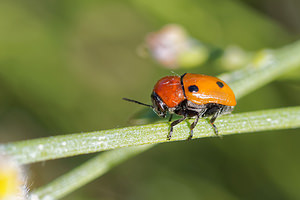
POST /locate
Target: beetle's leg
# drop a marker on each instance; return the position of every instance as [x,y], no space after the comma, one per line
[212,120]
[171,116]
[174,124]
[193,126]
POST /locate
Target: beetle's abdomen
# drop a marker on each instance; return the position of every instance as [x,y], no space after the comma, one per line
[202,89]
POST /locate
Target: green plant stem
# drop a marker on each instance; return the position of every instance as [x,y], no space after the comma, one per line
[256,121]
[85,173]
[69,145]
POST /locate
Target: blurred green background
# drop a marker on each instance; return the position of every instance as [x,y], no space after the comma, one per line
[65,65]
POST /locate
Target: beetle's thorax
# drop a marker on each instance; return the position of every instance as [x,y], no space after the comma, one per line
[169,89]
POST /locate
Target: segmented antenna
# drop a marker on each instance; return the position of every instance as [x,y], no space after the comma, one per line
[134,101]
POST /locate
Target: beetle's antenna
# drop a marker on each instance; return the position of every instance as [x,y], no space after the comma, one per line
[134,101]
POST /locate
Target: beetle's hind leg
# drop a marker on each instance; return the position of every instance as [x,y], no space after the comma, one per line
[213,119]
[221,110]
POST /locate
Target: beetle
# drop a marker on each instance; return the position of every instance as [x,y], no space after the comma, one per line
[191,95]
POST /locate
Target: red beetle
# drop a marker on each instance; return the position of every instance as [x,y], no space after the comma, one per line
[191,95]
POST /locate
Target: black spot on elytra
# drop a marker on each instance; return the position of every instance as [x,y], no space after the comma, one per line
[193,88]
[220,84]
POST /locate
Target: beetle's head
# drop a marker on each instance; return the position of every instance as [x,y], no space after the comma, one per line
[159,107]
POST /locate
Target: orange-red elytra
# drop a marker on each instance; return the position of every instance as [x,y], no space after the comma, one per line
[191,95]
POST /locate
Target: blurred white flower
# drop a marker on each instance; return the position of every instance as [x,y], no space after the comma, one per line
[172,47]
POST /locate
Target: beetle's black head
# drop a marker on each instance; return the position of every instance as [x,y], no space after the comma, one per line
[159,107]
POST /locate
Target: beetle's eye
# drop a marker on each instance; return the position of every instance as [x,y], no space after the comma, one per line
[193,88]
